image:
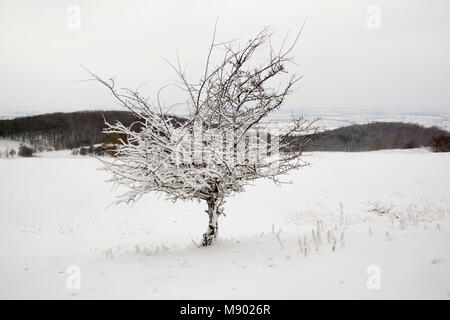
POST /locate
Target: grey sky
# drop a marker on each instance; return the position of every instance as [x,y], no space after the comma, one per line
[403,66]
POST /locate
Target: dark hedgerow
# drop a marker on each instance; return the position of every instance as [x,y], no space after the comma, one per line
[440,143]
[25,151]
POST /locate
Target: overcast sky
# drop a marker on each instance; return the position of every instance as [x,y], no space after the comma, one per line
[349,58]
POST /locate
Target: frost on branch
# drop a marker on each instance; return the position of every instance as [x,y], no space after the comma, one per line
[221,146]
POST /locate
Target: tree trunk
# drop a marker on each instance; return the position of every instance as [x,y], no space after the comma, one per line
[212,232]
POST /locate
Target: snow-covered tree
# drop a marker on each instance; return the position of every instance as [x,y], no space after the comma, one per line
[222,145]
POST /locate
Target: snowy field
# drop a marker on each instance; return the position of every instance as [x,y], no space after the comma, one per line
[385,213]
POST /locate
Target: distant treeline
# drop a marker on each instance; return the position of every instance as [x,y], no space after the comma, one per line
[84,129]
[376,136]
[64,130]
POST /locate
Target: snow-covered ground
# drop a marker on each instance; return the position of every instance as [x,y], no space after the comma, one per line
[6,145]
[53,215]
